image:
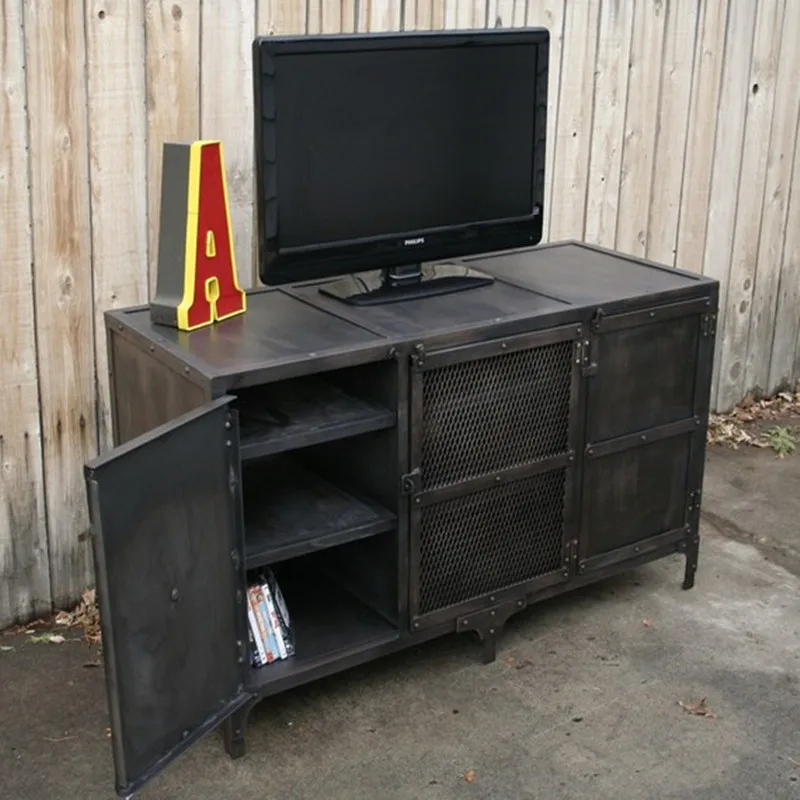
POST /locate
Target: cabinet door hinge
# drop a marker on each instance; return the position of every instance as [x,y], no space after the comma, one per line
[588,360]
[240,651]
[410,482]
[709,324]
[570,558]
[692,501]
[418,357]
[597,319]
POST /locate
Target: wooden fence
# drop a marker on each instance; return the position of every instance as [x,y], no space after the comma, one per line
[672,135]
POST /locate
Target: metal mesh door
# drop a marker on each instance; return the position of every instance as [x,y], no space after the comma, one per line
[494,453]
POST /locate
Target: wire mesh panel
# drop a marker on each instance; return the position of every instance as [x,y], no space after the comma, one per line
[490,414]
[490,539]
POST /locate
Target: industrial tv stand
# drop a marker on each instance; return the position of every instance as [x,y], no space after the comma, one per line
[407,470]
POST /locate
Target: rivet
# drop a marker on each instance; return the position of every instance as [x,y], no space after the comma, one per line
[636,549]
[504,345]
[186,734]
[566,573]
[497,478]
[590,451]
[652,314]
[571,457]
[491,613]
[119,326]
[152,348]
[416,624]
[491,631]
[491,599]
[228,443]
[417,500]
[519,603]
[644,438]
[186,370]
[175,594]
[228,425]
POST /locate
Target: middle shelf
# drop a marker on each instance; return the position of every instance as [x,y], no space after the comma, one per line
[291,510]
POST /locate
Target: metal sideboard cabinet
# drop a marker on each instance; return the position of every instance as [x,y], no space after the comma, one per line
[404,471]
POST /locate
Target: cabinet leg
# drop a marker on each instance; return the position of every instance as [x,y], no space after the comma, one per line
[233,733]
[692,553]
[489,649]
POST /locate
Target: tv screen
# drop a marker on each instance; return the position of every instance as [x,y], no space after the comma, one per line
[381,150]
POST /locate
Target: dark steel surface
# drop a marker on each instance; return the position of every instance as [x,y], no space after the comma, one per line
[436,316]
[298,413]
[634,370]
[145,392]
[168,543]
[584,275]
[290,511]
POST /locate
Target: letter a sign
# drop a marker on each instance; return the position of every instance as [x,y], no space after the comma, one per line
[196,283]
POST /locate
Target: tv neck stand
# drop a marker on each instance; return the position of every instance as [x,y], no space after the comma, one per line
[407,282]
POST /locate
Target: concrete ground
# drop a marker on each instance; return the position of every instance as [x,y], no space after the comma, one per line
[582,702]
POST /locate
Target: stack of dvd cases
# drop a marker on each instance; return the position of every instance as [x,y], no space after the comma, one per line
[270,628]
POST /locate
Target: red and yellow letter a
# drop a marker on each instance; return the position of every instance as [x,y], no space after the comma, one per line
[196,283]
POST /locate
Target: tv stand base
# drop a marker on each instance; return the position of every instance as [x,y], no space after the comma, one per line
[404,283]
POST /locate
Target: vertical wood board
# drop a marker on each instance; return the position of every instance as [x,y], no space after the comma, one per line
[671,131]
[727,161]
[641,120]
[773,215]
[608,127]
[172,31]
[752,181]
[226,112]
[574,131]
[701,136]
[118,171]
[24,567]
[549,14]
[57,117]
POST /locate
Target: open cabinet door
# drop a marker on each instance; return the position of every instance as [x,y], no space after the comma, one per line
[168,546]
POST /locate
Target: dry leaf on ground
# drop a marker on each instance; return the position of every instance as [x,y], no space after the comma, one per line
[697,708]
[4,648]
[52,638]
[648,623]
[469,776]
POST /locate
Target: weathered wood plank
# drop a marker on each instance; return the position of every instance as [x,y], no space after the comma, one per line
[331,16]
[608,128]
[758,374]
[173,95]
[573,139]
[226,111]
[549,14]
[56,60]
[752,180]
[641,121]
[673,119]
[281,17]
[465,14]
[784,369]
[379,15]
[727,161]
[702,128]
[24,567]
[118,171]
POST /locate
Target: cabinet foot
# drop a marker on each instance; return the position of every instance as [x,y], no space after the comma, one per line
[692,552]
[233,733]
[488,646]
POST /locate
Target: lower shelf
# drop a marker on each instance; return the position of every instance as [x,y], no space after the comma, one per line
[328,624]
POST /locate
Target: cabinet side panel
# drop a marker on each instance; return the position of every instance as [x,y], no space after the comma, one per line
[145,392]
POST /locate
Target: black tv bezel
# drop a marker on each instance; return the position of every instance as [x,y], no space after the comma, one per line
[278,266]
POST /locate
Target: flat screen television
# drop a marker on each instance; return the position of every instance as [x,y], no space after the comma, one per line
[380,156]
